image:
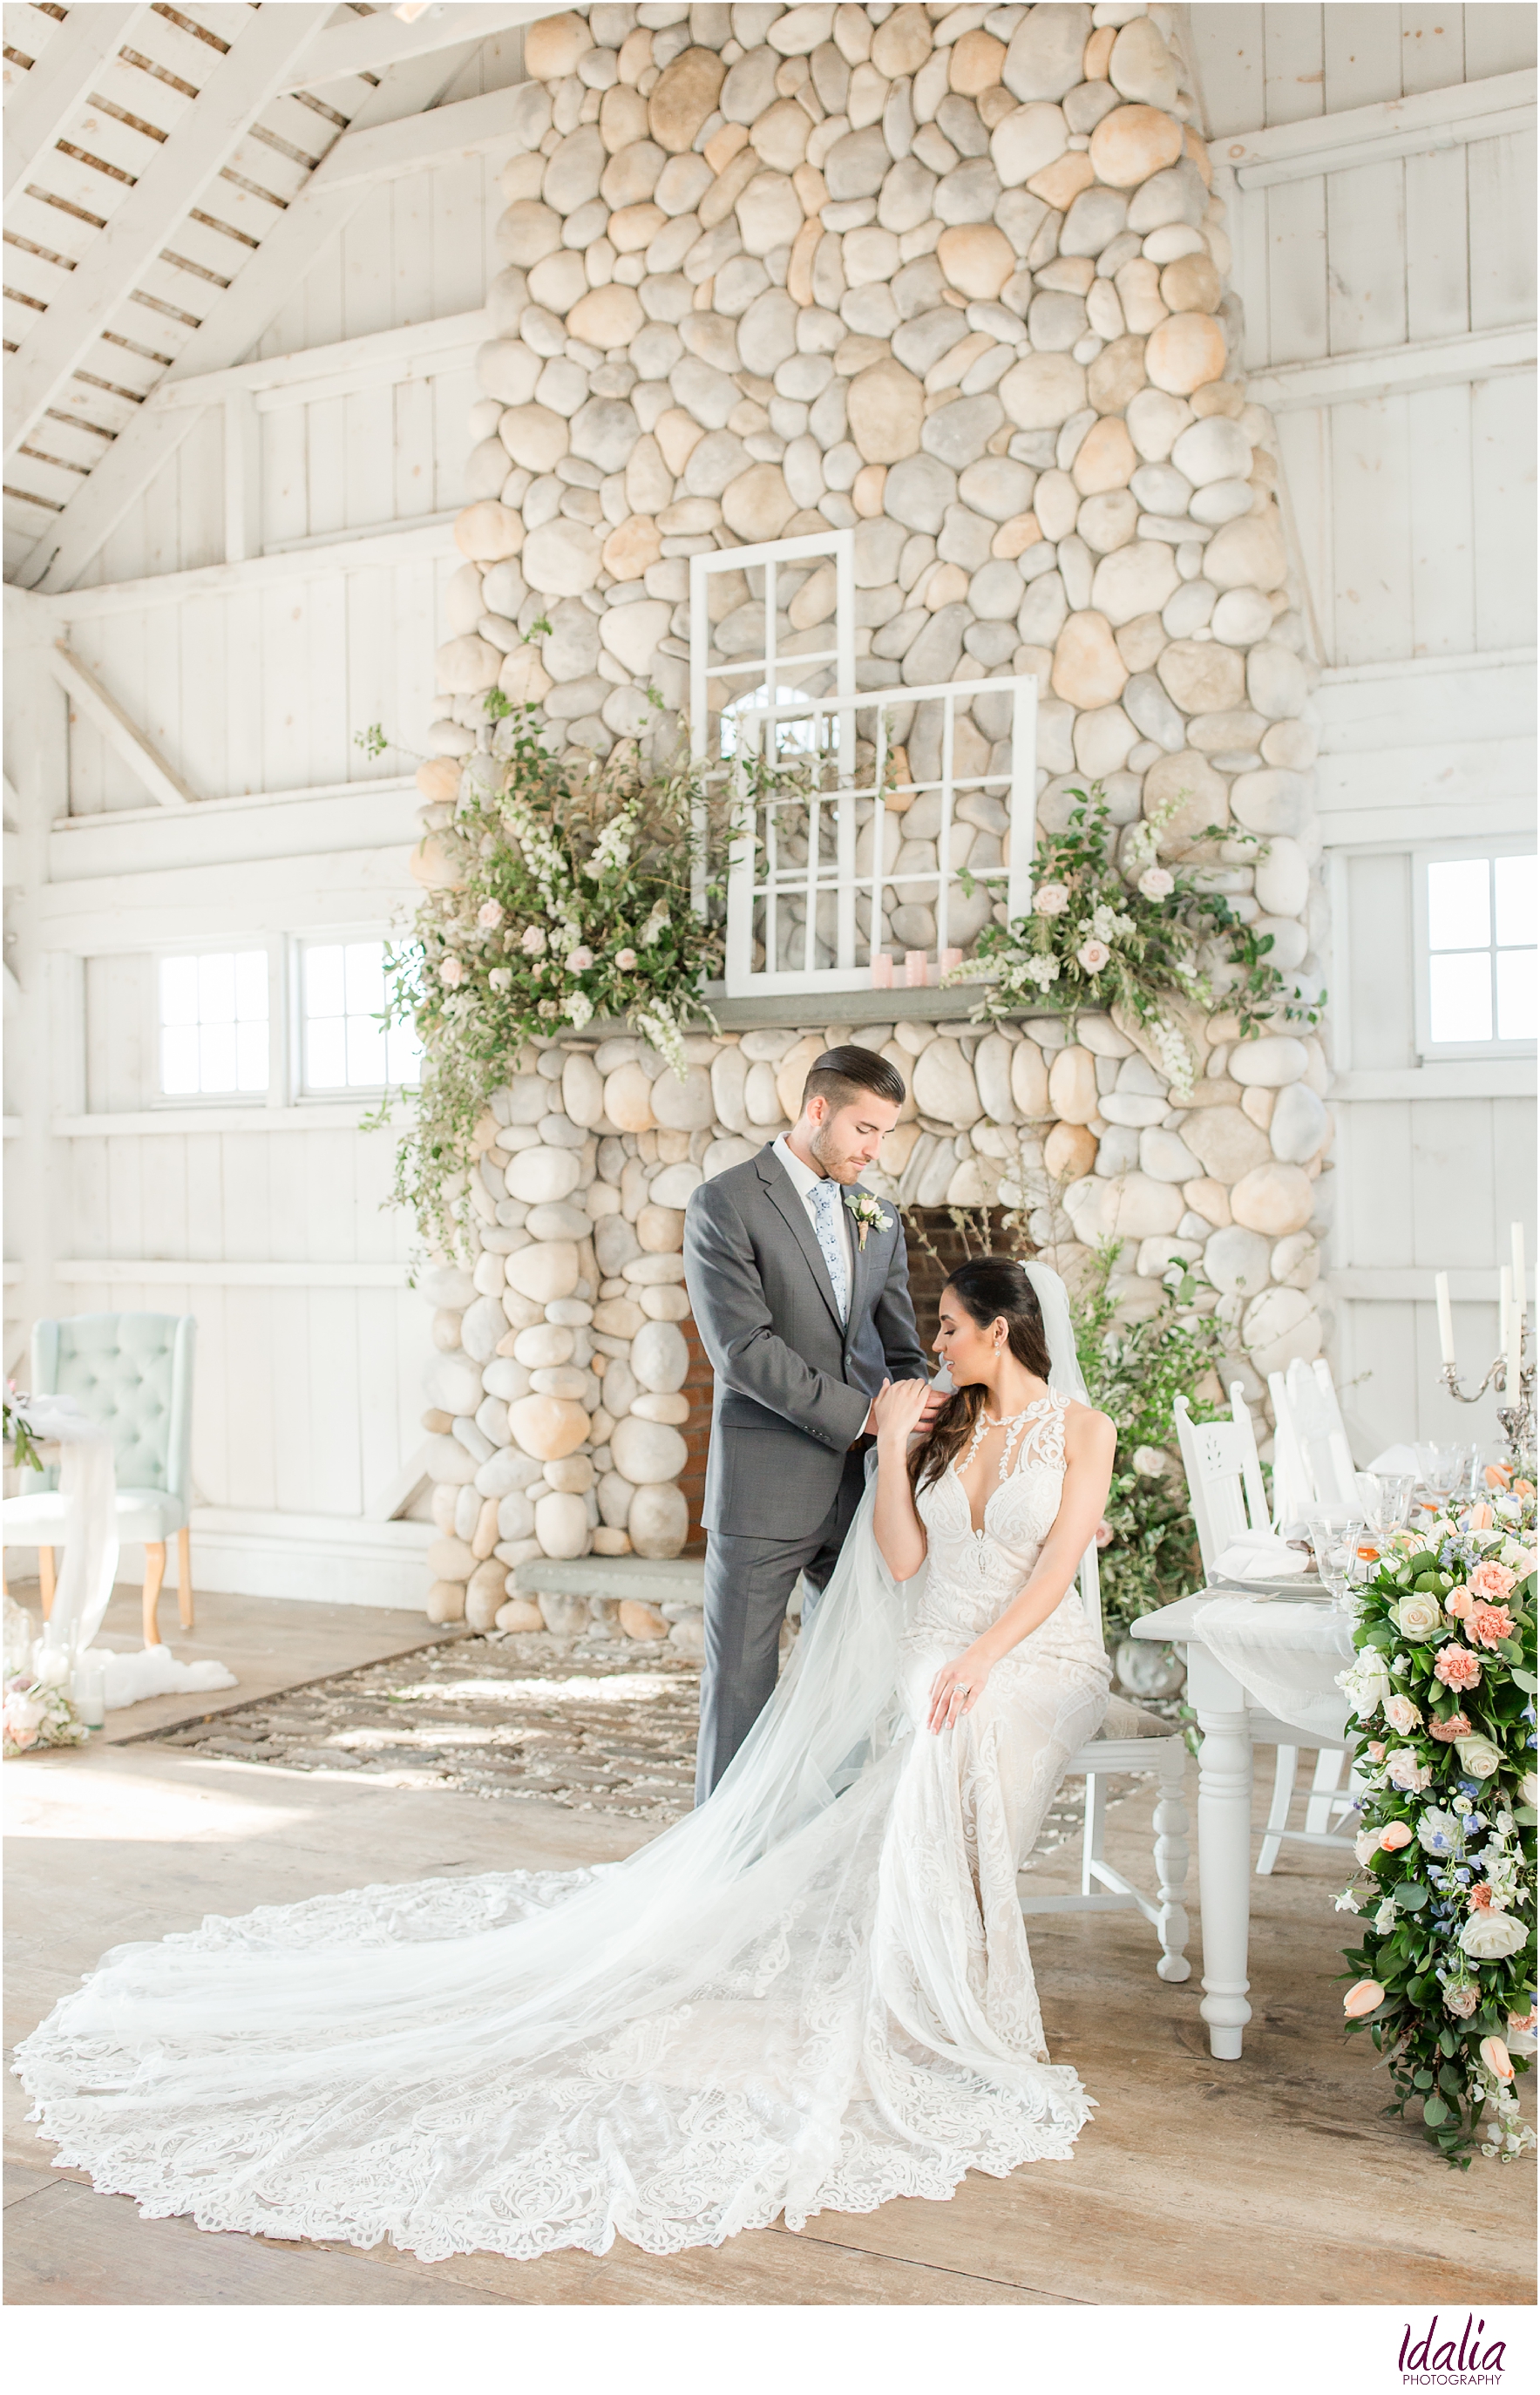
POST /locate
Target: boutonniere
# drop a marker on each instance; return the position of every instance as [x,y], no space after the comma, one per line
[867,1215]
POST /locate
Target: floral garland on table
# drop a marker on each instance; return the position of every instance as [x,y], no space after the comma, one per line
[1141,937]
[1444,1684]
[561,892]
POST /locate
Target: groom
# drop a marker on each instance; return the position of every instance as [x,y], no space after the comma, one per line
[799,1286]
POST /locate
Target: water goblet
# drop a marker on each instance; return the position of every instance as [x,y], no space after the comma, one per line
[1393,1503]
[1336,1532]
[1448,1471]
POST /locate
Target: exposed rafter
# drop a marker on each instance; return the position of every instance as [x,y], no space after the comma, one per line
[120,731]
[371,44]
[192,155]
[42,107]
[233,324]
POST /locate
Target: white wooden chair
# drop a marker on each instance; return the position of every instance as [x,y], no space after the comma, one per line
[1226,1491]
[1315,1462]
[1130,1739]
[1314,1466]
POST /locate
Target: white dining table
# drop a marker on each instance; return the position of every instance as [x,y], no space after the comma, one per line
[1261,1668]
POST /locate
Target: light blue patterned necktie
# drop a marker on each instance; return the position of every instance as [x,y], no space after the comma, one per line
[825,1202]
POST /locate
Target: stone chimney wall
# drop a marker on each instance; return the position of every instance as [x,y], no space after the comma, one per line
[957,278]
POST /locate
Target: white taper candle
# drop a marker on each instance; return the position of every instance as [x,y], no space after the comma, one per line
[1446,1318]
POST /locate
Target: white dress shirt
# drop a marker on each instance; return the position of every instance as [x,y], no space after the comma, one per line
[804,1181]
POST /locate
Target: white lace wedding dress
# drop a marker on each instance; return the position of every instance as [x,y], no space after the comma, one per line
[814,1994]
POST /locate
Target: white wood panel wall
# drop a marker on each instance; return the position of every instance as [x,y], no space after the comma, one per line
[1385,264]
[252,680]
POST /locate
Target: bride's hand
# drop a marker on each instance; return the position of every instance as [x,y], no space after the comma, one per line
[898,1406]
[957,1689]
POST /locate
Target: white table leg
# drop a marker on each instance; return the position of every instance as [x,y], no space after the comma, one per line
[1224,1849]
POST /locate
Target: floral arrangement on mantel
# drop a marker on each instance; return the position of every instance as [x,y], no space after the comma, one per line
[559,890]
[1444,1686]
[1138,939]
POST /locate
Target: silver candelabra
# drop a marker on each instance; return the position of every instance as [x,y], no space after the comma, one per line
[1517,1418]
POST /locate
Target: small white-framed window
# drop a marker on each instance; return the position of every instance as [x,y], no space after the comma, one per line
[344,1043]
[213,1024]
[1475,942]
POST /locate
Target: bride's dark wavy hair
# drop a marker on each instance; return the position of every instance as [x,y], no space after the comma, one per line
[991,1289]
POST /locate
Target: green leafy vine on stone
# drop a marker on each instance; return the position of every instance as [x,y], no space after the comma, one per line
[563,896]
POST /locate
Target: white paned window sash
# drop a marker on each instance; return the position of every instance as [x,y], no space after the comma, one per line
[212,1025]
[1475,950]
[831,886]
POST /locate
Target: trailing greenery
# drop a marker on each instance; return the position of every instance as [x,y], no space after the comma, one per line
[559,892]
[1148,946]
[1444,1691]
[1134,1372]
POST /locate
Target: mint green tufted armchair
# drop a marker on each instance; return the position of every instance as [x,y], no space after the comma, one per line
[132,1372]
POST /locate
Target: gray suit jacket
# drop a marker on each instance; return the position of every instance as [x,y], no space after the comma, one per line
[792,1383]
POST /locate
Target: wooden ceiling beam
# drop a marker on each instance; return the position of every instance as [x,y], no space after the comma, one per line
[230,330]
[192,155]
[57,88]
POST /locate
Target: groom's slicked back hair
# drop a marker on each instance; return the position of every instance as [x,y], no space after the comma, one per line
[841,1075]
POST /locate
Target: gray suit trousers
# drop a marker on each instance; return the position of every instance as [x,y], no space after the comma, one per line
[748,1585]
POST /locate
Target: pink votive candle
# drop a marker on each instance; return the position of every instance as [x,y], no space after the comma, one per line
[950,957]
[916,968]
[882,972]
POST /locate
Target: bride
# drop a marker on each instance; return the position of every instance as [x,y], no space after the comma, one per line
[814,1993]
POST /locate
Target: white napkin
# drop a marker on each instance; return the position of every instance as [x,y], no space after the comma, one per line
[1257,1555]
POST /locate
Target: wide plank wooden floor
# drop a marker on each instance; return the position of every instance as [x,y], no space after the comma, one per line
[1275,2180]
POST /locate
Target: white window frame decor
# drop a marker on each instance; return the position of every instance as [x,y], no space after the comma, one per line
[843,719]
[1490,851]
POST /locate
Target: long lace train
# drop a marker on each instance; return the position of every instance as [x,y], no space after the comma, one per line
[815,1993]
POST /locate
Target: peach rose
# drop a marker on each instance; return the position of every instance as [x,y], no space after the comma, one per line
[1366,1996]
[1459,1602]
[1489,1625]
[1494,2053]
[1395,1835]
[1401,1713]
[1455,1726]
[1519,2022]
[1457,1667]
[1492,1581]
